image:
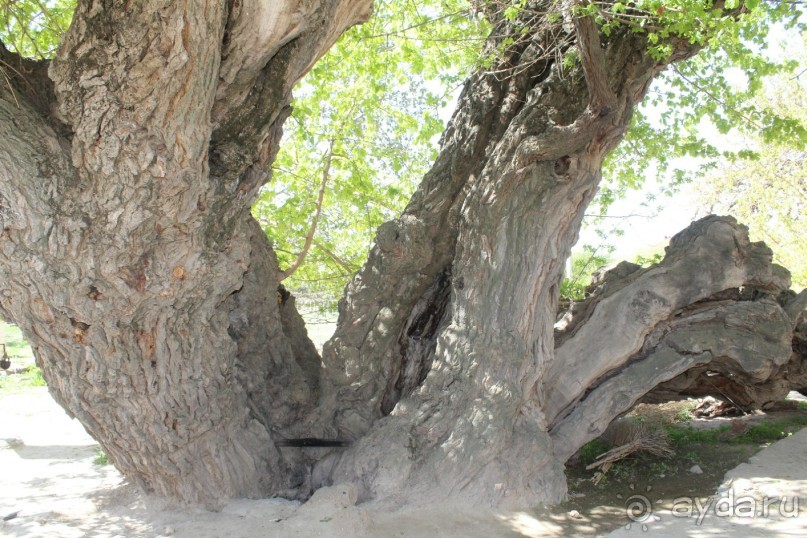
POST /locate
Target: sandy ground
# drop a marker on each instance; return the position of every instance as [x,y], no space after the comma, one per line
[49,486]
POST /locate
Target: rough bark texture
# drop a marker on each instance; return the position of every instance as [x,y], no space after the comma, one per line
[152,299]
[712,318]
[492,223]
[128,255]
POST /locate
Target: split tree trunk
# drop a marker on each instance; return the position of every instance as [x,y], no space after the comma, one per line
[150,296]
[445,340]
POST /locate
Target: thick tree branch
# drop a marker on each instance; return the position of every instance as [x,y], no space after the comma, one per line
[602,97]
[257,30]
[267,48]
[713,255]
[599,121]
[745,341]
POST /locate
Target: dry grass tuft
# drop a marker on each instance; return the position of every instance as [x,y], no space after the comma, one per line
[631,437]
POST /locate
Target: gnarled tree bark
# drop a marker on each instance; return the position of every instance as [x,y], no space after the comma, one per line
[128,254]
[713,318]
[129,259]
[445,341]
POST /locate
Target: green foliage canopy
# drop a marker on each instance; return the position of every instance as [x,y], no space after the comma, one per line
[670,132]
[34,28]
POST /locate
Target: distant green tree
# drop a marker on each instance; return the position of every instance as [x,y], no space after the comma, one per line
[701,91]
[768,191]
[362,134]
[580,269]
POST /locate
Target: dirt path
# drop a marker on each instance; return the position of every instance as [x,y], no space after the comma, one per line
[48,479]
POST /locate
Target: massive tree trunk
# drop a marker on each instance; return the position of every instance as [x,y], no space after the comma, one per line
[444,365]
[151,299]
[447,333]
[128,254]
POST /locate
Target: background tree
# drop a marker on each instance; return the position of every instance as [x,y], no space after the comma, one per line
[150,295]
[769,190]
[363,131]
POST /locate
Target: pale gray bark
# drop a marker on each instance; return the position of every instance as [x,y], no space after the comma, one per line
[683,324]
[129,257]
[448,329]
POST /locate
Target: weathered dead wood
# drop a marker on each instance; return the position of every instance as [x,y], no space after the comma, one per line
[713,325]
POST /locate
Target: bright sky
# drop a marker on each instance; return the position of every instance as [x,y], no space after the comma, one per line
[644,231]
